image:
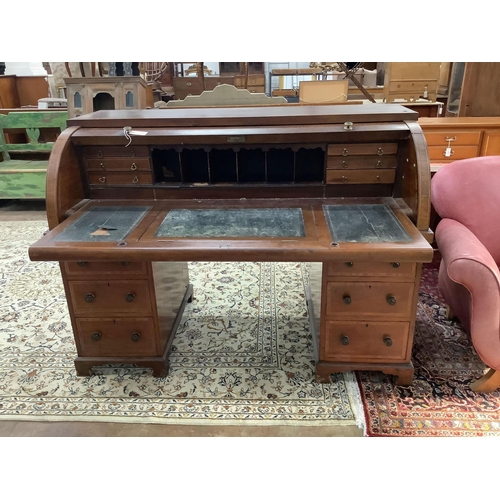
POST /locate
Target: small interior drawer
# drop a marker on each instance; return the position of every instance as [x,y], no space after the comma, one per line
[110,151]
[377,149]
[120,178]
[354,162]
[361,176]
[118,164]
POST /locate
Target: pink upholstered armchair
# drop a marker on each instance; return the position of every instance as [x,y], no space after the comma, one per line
[466,195]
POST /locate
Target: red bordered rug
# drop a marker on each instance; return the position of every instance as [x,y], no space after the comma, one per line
[439,402]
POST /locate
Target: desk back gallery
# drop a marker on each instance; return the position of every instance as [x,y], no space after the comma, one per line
[133,196]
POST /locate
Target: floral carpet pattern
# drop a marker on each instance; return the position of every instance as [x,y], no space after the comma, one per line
[242,353]
[439,402]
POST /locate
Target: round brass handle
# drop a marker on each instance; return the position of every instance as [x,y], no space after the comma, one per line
[345,152]
[82,263]
[102,179]
[349,264]
[188,84]
[135,180]
[391,300]
[96,336]
[130,297]
[133,166]
[99,154]
[388,341]
[380,151]
[344,340]
[89,297]
[347,299]
[395,264]
[136,336]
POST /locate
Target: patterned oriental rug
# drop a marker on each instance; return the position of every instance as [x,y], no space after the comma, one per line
[440,402]
[242,354]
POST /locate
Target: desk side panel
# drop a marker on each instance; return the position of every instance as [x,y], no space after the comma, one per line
[64,186]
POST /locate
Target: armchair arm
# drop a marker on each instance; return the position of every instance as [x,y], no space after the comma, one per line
[468,262]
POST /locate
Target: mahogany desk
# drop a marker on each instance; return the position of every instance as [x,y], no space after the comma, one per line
[345,188]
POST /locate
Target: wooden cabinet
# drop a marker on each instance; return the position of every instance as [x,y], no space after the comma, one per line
[455,138]
[243,75]
[411,80]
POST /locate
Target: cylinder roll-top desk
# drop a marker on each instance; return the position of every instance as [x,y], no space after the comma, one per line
[133,196]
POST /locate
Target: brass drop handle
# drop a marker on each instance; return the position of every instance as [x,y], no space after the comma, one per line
[89,297]
[188,84]
[344,178]
[377,178]
[395,264]
[387,341]
[102,179]
[101,166]
[344,340]
[379,163]
[82,263]
[133,166]
[347,299]
[380,151]
[344,164]
[345,152]
[130,297]
[96,336]
[349,264]
[136,336]
[99,154]
[391,300]
[135,180]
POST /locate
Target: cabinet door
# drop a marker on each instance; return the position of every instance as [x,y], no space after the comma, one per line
[491,143]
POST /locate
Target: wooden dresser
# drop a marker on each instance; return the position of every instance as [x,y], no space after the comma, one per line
[133,196]
[451,139]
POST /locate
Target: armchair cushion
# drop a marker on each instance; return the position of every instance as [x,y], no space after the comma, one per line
[468,191]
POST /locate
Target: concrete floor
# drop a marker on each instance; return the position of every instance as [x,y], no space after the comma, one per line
[35,210]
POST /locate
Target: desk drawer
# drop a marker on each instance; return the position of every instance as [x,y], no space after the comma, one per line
[84,268]
[377,149]
[358,299]
[471,138]
[457,152]
[356,269]
[365,176]
[361,341]
[110,297]
[354,162]
[116,337]
[120,178]
[121,151]
[118,164]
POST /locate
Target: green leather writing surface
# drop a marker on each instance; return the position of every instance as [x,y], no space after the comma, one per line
[364,224]
[104,224]
[244,222]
